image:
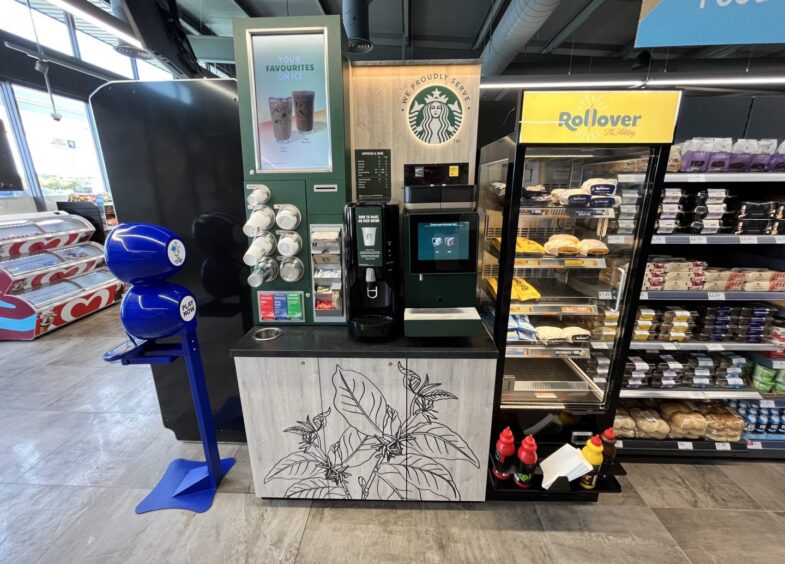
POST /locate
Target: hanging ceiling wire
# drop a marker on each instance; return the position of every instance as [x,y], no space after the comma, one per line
[42,66]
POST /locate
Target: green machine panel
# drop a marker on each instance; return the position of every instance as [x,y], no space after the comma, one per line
[290,79]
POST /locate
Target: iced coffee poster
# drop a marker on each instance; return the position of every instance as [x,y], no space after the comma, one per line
[292,117]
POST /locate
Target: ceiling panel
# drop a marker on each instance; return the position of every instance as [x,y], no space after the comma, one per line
[217,15]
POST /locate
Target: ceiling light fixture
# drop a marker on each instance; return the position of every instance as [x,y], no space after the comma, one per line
[99,18]
[563,84]
[717,81]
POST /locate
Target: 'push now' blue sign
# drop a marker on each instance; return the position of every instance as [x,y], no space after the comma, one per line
[672,23]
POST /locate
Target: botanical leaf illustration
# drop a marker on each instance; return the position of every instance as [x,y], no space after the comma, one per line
[438,441]
[427,475]
[359,401]
[436,395]
[391,482]
[318,421]
[302,431]
[392,423]
[352,449]
[315,488]
[411,380]
[297,465]
[404,457]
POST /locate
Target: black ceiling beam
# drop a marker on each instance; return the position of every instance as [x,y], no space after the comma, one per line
[575,23]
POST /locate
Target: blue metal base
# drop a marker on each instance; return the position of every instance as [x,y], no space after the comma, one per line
[186,485]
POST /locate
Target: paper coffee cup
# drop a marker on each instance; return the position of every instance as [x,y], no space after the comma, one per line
[260,220]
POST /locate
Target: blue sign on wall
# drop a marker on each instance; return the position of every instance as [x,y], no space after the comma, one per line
[673,23]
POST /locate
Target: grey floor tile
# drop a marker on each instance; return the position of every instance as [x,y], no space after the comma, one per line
[368,532]
[719,536]
[594,533]
[629,495]
[100,390]
[142,399]
[687,486]
[32,517]
[27,437]
[467,532]
[237,528]
[100,453]
[35,377]
[765,482]
[239,479]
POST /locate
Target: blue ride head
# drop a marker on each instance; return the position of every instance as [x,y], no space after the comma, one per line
[142,253]
[155,311]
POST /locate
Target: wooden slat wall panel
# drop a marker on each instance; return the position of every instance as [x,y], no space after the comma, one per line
[379,115]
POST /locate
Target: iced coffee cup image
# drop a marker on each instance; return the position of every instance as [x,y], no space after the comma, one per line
[449,241]
[281,115]
[303,110]
[369,236]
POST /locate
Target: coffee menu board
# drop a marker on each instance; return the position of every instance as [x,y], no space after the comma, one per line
[372,174]
[291,106]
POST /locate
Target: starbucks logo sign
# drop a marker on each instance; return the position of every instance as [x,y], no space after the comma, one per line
[435,115]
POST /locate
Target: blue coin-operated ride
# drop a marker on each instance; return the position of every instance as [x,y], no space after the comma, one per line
[146,255]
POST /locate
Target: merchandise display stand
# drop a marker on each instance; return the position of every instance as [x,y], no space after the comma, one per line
[145,255]
[50,274]
[564,240]
[718,249]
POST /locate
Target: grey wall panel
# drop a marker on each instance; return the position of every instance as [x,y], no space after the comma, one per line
[767,119]
[712,116]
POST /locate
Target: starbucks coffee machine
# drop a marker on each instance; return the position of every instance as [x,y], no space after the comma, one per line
[440,230]
[372,274]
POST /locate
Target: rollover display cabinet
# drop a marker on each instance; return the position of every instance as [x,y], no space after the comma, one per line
[328,417]
[561,313]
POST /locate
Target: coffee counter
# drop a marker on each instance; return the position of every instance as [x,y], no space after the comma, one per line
[328,417]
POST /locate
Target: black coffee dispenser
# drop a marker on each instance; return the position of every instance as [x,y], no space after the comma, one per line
[372,275]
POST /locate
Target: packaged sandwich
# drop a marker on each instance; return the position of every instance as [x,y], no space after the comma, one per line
[592,247]
[528,247]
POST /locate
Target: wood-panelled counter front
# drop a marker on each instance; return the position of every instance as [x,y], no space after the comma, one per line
[328,417]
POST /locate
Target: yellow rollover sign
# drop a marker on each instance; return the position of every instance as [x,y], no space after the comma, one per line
[599,117]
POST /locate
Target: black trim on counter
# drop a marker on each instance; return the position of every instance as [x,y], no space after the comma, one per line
[335,342]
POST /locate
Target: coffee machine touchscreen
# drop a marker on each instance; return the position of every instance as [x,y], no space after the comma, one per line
[443,241]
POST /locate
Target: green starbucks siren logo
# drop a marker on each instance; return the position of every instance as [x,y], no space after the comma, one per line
[435,115]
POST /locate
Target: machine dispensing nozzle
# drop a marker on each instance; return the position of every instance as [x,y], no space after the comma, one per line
[372,291]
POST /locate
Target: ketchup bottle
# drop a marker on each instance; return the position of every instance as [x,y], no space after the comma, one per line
[608,451]
[527,462]
[505,447]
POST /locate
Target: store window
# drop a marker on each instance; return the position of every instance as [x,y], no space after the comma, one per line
[149,71]
[102,54]
[15,18]
[14,201]
[64,152]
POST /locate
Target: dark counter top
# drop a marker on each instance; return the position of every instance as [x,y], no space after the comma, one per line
[335,342]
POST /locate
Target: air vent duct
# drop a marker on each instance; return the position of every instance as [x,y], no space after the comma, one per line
[122,47]
[355,22]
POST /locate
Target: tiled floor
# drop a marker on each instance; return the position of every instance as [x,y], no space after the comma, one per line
[81,442]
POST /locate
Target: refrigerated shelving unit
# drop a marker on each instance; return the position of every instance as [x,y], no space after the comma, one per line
[540,383]
[744,249]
